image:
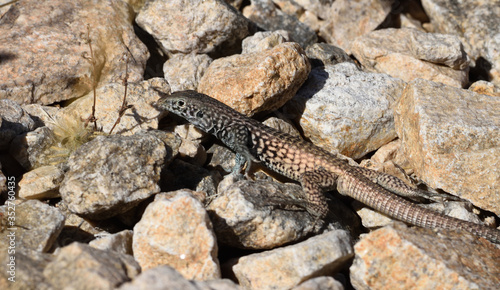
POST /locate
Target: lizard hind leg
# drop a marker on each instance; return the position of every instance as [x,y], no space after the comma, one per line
[313,183]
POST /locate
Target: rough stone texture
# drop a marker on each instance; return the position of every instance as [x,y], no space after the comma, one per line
[41,183]
[475,23]
[264,214]
[120,242]
[50,67]
[265,14]
[262,41]
[3,181]
[110,175]
[184,71]
[175,230]
[28,273]
[408,54]
[109,100]
[288,266]
[191,143]
[187,26]
[342,108]
[166,277]
[37,225]
[255,82]
[397,257]
[350,19]
[79,266]
[320,283]
[321,54]
[13,121]
[29,149]
[451,138]
[485,88]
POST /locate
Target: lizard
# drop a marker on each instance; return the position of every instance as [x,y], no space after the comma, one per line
[314,168]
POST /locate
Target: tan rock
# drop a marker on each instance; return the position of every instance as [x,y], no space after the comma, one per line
[408,54]
[50,68]
[347,20]
[485,88]
[176,231]
[109,100]
[255,82]
[451,137]
[41,183]
[397,257]
[184,71]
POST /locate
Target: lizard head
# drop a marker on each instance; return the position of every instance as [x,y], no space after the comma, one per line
[198,109]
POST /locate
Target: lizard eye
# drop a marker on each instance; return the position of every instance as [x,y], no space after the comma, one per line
[199,114]
[180,103]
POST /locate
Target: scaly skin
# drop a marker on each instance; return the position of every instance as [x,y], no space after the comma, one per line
[316,169]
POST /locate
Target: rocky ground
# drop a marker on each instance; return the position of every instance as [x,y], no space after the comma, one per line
[131,198]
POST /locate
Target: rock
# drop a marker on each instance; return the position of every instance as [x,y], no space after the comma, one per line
[347,20]
[341,108]
[25,271]
[277,269]
[166,277]
[184,71]
[485,88]
[420,258]
[37,225]
[13,122]
[320,283]
[409,54]
[193,26]
[41,183]
[120,242]
[476,24]
[262,41]
[194,177]
[255,82]
[191,143]
[109,100]
[175,230]
[79,266]
[265,14]
[263,214]
[50,67]
[110,175]
[452,141]
[3,181]
[321,54]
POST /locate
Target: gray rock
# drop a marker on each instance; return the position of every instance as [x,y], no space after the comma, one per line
[342,108]
[50,67]
[120,242]
[166,277]
[320,283]
[263,214]
[265,14]
[288,266]
[321,54]
[13,122]
[25,271]
[175,230]
[110,175]
[79,266]
[262,41]
[37,225]
[184,71]
[193,26]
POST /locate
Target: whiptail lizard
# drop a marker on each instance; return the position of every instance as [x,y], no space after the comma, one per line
[316,169]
